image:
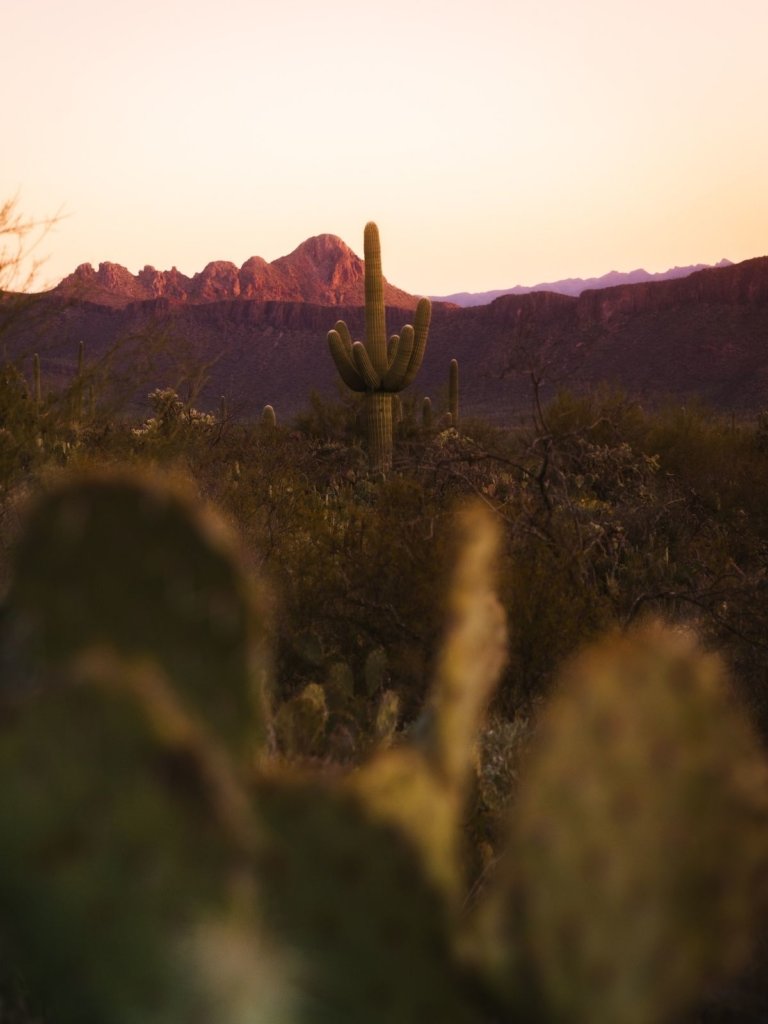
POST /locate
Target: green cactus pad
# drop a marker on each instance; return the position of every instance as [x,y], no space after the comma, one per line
[123,837]
[474,649]
[347,895]
[641,834]
[120,561]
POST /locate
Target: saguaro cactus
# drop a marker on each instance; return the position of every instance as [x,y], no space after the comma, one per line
[376,368]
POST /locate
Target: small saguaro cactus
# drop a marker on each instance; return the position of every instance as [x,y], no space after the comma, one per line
[453,393]
[426,413]
[268,417]
[376,368]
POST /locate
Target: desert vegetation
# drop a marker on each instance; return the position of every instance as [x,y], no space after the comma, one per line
[302,725]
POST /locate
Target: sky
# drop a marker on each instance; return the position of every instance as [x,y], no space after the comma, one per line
[495,143]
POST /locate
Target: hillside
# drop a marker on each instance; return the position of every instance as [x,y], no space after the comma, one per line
[576,285]
[704,335]
[323,270]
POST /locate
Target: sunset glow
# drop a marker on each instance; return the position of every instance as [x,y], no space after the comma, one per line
[496,143]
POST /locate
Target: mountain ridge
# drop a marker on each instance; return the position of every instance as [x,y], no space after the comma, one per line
[703,336]
[574,286]
[321,270]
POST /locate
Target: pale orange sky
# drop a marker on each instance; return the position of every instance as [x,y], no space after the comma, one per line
[497,142]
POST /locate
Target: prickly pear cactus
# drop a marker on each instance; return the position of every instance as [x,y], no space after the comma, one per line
[125,839]
[126,832]
[367,885]
[423,788]
[640,841]
[152,870]
[364,925]
[118,560]
[379,368]
[300,722]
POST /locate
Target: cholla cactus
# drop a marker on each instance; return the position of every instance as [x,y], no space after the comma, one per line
[379,369]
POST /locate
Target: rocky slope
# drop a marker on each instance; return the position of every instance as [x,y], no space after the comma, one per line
[323,270]
[702,336]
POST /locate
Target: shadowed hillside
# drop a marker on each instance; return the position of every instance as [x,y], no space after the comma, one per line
[705,335]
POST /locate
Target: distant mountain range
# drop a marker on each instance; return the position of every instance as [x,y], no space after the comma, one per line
[323,270]
[257,334]
[576,285]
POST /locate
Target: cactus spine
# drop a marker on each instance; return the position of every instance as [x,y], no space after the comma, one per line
[453,393]
[376,368]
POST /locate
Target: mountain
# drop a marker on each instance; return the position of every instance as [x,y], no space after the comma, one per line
[576,285]
[323,270]
[702,336]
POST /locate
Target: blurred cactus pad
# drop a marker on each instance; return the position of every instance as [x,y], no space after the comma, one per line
[162,861]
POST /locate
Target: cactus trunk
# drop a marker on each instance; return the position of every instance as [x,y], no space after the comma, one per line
[378,426]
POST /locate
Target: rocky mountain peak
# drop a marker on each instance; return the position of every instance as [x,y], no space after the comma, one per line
[322,270]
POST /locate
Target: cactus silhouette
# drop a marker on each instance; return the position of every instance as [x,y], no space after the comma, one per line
[377,368]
